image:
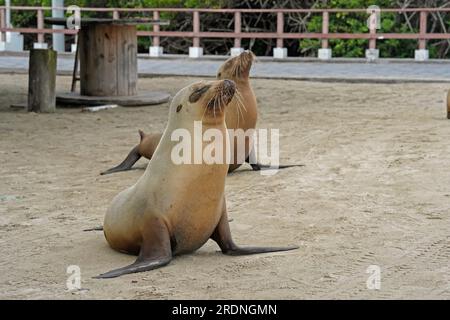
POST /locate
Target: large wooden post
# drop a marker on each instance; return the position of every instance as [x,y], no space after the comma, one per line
[42,81]
[108,60]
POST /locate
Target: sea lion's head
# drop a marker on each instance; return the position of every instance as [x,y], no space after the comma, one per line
[237,68]
[204,101]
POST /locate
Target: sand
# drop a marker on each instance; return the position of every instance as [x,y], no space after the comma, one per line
[375,190]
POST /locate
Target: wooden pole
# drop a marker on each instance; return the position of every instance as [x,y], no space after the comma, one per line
[156,28]
[448,105]
[40,25]
[196,42]
[280,29]
[75,67]
[2,24]
[237,29]
[423,30]
[325,28]
[42,81]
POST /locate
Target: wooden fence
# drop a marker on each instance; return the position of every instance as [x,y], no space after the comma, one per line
[238,34]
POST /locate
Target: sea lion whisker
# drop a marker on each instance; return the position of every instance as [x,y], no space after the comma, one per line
[240,99]
[214,106]
[239,104]
[207,106]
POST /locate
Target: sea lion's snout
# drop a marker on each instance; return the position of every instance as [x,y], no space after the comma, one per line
[222,94]
[229,90]
[247,54]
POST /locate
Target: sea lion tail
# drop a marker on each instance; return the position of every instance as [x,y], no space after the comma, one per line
[127,164]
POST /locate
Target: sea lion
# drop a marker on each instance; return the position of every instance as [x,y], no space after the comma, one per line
[242,113]
[175,209]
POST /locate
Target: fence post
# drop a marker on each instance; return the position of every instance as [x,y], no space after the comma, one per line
[40,44]
[196,51]
[325,53]
[280,52]
[237,49]
[116,15]
[156,50]
[422,54]
[2,25]
[373,53]
[58,39]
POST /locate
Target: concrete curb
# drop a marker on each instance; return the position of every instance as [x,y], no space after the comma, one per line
[294,78]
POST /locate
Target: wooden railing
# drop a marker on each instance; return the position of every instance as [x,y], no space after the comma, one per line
[280,35]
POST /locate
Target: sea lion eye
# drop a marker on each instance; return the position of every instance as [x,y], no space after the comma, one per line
[198,94]
[180,107]
[219,75]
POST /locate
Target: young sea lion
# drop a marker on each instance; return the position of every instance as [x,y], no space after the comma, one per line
[242,113]
[175,209]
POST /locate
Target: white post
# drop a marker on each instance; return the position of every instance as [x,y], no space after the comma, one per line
[8,13]
[59,42]
[14,41]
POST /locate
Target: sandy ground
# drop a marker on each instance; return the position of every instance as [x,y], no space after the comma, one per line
[375,190]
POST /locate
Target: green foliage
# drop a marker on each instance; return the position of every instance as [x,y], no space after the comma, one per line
[339,23]
[357,23]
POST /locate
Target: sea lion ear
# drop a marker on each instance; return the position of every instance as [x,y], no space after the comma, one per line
[198,94]
[142,134]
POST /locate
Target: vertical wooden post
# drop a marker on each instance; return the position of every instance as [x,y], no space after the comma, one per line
[2,24]
[42,81]
[237,29]
[448,105]
[156,28]
[40,25]
[423,30]
[280,29]
[325,29]
[196,41]
[116,15]
[373,32]
[75,65]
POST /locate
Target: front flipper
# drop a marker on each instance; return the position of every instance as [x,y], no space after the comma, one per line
[156,251]
[222,235]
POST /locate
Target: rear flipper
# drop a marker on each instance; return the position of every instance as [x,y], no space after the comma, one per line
[156,251]
[127,164]
[260,167]
[222,235]
[94,229]
[138,266]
